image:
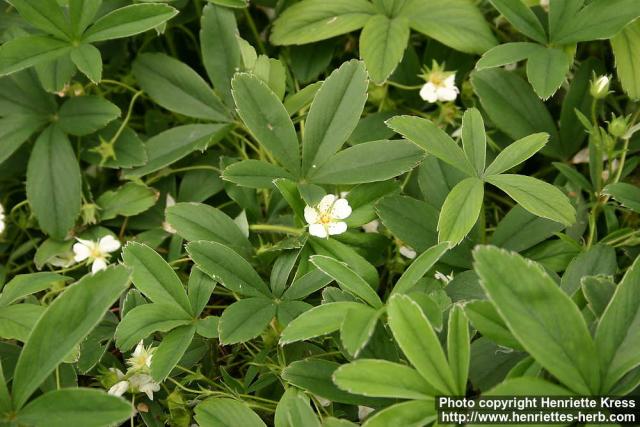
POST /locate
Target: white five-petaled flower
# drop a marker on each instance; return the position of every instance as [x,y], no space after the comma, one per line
[96,252]
[325,219]
[1,219]
[440,85]
[140,359]
[444,278]
[144,383]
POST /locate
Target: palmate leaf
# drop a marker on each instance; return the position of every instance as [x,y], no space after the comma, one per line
[522,18]
[24,52]
[67,321]
[541,316]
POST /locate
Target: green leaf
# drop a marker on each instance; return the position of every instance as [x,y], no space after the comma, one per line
[334,113]
[238,4]
[433,140]
[617,336]
[314,20]
[128,200]
[17,321]
[474,140]
[306,285]
[67,321]
[293,410]
[600,19]
[89,61]
[171,350]
[507,53]
[541,316]
[520,230]
[26,284]
[208,327]
[456,23]
[195,221]
[145,319]
[348,280]
[154,277]
[382,45]
[82,115]
[419,267]
[628,195]
[368,162]
[514,108]
[254,173]
[412,413]
[176,87]
[488,322]
[517,153]
[75,407]
[54,183]
[598,291]
[200,288]
[381,378]
[460,210]
[522,18]
[315,376]
[458,348]
[172,145]
[16,129]
[267,120]
[55,74]
[573,176]
[597,260]
[357,328]
[417,339]
[27,51]
[220,49]
[560,13]
[223,412]
[346,254]
[547,69]
[226,266]
[320,320]
[128,21]
[82,13]
[628,64]
[45,15]
[245,319]
[538,197]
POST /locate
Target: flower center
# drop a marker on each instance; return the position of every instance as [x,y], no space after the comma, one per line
[325,218]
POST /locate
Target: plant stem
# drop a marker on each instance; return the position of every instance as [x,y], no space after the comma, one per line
[270,228]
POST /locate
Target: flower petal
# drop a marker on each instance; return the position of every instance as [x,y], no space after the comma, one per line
[119,388]
[81,252]
[108,244]
[428,92]
[447,93]
[325,204]
[337,228]
[311,215]
[318,230]
[98,264]
[341,209]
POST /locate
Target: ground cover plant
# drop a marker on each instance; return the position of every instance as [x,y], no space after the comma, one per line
[314,212]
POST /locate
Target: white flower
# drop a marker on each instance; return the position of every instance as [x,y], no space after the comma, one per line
[443,277]
[364,411]
[545,5]
[140,359]
[371,227]
[408,252]
[326,218]
[1,219]
[119,388]
[96,252]
[144,384]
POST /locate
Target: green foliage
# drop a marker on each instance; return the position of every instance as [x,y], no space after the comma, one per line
[314,212]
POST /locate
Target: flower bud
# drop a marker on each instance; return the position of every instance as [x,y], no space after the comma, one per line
[600,87]
[618,126]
